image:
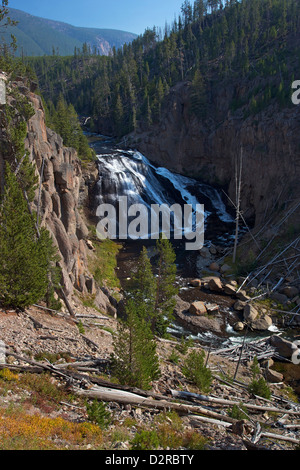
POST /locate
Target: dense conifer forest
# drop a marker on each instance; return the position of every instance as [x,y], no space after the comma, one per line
[211,42]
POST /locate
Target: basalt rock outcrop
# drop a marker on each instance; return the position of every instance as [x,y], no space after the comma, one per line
[60,199]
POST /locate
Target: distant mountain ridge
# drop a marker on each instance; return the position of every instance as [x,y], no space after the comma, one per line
[40,36]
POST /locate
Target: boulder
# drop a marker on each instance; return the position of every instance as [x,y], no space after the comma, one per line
[283,347]
[204,252]
[181,305]
[280,298]
[195,282]
[198,308]
[290,291]
[239,326]
[250,313]
[267,363]
[273,376]
[229,289]
[261,323]
[225,268]
[242,295]
[239,305]
[257,321]
[215,284]
[214,267]
[212,308]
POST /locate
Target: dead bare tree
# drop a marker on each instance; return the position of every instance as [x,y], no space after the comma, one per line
[238,186]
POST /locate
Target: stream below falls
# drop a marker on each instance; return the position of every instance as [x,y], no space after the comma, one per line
[129,173]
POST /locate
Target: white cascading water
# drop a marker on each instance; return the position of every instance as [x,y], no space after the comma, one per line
[131,174]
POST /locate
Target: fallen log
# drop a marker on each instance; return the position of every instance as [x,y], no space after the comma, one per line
[47,367]
[195,419]
[107,395]
[76,365]
[19,368]
[221,401]
[86,316]
[281,437]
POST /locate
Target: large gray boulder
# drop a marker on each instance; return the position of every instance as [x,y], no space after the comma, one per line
[283,347]
[262,323]
[250,313]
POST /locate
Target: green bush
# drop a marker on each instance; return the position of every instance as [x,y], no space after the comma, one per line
[145,440]
[98,414]
[195,370]
[238,412]
[260,387]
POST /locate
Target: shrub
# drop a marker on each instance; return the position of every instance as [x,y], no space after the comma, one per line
[238,412]
[195,370]
[192,440]
[174,357]
[8,375]
[98,414]
[260,387]
[145,440]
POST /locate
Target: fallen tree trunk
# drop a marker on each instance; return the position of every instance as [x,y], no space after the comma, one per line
[120,396]
[221,401]
[195,419]
[19,368]
[271,435]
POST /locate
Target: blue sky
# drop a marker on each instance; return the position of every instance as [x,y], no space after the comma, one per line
[128,15]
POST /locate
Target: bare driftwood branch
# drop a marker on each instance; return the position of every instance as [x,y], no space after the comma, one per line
[120,396]
[224,402]
[195,419]
[280,437]
[19,368]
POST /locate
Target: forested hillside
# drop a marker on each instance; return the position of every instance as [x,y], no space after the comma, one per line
[208,44]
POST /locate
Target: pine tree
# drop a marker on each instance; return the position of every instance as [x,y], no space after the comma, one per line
[119,115]
[198,95]
[25,259]
[144,286]
[165,287]
[134,360]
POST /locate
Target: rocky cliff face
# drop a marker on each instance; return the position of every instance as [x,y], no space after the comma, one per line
[207,150]
[64,193]
[61,185]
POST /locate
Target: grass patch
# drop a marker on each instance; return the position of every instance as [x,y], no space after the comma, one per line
[167,433]
[103,263]
[46,393]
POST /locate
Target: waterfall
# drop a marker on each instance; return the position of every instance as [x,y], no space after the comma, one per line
[131,174]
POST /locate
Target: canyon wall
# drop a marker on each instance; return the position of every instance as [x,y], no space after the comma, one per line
[207,149]
[61,199]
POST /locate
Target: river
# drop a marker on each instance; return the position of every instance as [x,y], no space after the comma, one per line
[129,173]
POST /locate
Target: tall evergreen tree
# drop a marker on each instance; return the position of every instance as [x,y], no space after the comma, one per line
[134,360]
[25,259]
[154,294]
[165,287]
[144,285]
